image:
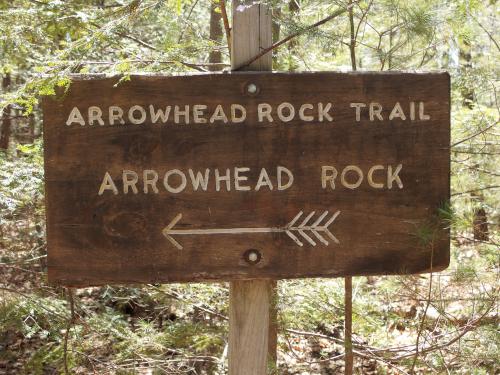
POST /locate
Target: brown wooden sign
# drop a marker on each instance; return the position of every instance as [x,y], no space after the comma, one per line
[247,175]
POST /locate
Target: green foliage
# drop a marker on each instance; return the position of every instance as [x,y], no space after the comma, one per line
[181,328]
[314,303]
[21,181]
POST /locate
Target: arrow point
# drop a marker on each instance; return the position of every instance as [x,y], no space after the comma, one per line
[173,241]
[173,222]
[166,231]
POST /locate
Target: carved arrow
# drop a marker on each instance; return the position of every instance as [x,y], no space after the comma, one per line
[316,228]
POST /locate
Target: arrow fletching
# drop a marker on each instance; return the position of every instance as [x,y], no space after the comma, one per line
[315,228]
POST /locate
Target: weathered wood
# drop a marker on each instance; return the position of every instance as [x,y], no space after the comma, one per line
[106,238]
[252,307]
[251,345]
[247,44]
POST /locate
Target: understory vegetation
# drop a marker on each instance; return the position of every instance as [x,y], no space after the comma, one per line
[443,322]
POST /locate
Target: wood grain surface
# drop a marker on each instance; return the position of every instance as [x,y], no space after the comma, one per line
[120,238]
[253,331]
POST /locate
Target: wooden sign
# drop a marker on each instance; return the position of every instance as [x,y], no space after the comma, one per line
[247,175]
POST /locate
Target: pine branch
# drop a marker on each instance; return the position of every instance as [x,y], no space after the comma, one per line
[195,65]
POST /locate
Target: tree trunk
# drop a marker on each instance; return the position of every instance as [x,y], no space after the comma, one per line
[480,221]
[276,30]
[215,55]
[294,8]
[466,65]
[6,116]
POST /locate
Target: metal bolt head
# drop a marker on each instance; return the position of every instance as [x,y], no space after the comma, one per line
[252,256]
[252,88]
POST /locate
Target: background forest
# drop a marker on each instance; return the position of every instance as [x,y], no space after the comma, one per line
[444,322]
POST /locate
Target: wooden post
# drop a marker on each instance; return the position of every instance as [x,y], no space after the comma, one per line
[251,33]
[252,313]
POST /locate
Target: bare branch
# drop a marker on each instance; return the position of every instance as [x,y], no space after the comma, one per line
[181,35]
[475,190]
[475,134]
[37,2]
[363,16]
[487,32]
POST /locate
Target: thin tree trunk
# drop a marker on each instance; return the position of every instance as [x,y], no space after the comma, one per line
[465,65]
[276,28]
[6,116]
[349,357]
[215,55]
[389,57]
[294,8]
[352,44]
[480,221]
[225,21]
